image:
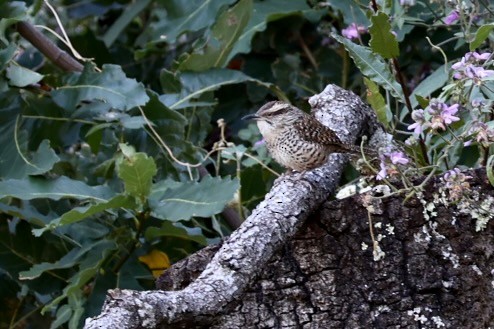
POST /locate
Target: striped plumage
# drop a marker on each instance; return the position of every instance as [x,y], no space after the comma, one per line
[295,139]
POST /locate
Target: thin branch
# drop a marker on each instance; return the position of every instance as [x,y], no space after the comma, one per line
[59,57]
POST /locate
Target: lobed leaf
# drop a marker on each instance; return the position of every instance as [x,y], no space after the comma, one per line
[263,13]
[199,14]
[21,77]
[372,66]
[109,86]
[197,83]
[137,171]
[69,260]
[205,198]
[382,41]
[89,266]
[224,34]
[55,189]
[173,230]
[79,213]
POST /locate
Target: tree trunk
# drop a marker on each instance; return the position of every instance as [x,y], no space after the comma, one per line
[437,270]
[300,261]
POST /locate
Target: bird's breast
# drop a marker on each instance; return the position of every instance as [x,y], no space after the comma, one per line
[293,152]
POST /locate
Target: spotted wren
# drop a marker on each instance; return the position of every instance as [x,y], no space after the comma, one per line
[295,139]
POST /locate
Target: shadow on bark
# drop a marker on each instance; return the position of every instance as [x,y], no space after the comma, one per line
[436,272]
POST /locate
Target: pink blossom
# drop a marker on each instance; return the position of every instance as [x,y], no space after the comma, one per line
[353,31]
[477,73]
[398,158]
[447,113]
[420,122]
[452,17]
[470,66]
[389,162]
[442,114]
[481,57]
[260,142]
[383,172]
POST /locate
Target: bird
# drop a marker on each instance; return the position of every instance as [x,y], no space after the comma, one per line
[295,139]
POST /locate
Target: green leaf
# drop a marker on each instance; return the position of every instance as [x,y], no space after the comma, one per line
[79,213]
[170,83]
[168,123]
[263,13]
[12,12]
[429,85]
[173,230]
[199,14]
[137,171]
[378,103]
[55,189]
[481,35]
[21,77]
[89,267]
[490,173]
[16,160]
[129,13]
[205,198]
[64,313]
[422,101]
[225,32]
[69,260]
[351,11]
[382,41]
[6,55]
[372,66]
[109,86]
[78,304]
[197,83]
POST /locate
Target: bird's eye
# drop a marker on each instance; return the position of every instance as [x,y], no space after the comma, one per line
[277,112]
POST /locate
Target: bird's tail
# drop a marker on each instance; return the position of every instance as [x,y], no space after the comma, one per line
[357,150]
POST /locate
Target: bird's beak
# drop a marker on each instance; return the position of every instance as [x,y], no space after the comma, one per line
[251,117]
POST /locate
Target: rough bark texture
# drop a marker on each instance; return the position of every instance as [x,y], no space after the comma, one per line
[248,250]
[437,271]
[299,261]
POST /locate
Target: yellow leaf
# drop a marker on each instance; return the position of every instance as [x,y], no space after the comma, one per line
[157,261]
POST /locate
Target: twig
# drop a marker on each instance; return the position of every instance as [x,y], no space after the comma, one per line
[59,57]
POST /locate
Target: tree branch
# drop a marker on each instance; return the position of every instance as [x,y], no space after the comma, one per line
[59,57]
[247,251]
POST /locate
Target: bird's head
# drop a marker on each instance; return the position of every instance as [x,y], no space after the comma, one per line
[275,116]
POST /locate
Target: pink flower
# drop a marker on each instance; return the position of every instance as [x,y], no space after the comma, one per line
[420,122]
[260,142]
[477,73]
[481,57]
[353,31]
[442,114]
[452,17]
[389,162]
[447,113]
[456,183]
[383,172]
[470,66]
[398,158]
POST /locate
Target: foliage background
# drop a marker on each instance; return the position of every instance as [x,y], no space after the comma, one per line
[110,174]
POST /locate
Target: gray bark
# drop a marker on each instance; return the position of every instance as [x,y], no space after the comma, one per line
[437,271]
[256,246]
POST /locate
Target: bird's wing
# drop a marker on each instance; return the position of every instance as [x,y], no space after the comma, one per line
[312,130]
